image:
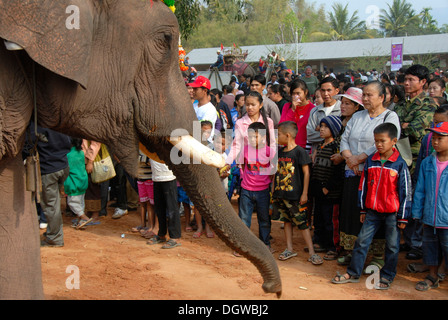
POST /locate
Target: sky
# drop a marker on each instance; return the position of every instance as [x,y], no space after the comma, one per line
[368,9]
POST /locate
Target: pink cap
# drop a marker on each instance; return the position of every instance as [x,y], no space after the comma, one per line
[353,93]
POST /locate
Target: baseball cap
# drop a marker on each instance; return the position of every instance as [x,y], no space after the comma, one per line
[201,81]
[440,128]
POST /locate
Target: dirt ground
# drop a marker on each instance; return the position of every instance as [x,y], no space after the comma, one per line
[112,267]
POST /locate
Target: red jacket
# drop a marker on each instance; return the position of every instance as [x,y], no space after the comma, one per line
[386,188]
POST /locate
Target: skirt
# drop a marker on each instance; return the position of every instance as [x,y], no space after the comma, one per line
[93,197]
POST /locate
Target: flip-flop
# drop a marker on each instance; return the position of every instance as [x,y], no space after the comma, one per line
[197,234]
[82,223]
[93,223]
[155,240]
[170,244]
[210,235]
[148,234]
[287,254]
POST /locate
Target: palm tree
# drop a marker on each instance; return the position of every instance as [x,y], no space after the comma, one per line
[342,25]
[399,18]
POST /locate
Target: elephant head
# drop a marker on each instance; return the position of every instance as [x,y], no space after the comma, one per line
[108,71]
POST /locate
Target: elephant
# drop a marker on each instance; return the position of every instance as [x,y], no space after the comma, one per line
[103,70]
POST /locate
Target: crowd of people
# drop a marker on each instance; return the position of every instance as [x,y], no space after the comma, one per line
[320,152]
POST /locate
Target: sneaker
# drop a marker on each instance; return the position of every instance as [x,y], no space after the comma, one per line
[119,213]
[43,225]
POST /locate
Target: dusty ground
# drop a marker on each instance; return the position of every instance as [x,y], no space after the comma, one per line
[116,268]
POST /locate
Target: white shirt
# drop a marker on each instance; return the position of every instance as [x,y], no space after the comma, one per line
[161,172]
[206,112]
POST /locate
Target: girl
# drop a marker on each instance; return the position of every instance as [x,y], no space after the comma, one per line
[76,184]
[254,113]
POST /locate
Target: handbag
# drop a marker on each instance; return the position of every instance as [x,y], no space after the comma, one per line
[103,167]
[404,147]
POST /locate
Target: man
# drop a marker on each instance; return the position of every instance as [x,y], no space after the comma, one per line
[219,61]
[223,108]
[54,169]
[258,84]
[417,114]
[204,109]
[244,83]
[329,87]
[311,81]
[227,95]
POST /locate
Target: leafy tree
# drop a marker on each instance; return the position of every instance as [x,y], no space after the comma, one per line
[428,25]
[398,19]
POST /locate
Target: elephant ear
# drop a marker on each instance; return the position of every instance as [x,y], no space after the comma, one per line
[55,34]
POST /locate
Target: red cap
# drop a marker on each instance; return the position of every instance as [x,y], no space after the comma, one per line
[440,128]
[201,82]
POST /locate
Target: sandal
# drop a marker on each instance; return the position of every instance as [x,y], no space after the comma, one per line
[317,248]
[316,259]
[417,267]
[331,255]
[343,279]
[384,284]
[425,286]
[287,254]
[210,235]
[170,244]
[147,234]
[137,229]
[156,240]
[82,223]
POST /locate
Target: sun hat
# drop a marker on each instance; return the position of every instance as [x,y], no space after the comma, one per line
[334,123]
[354,94]
[201,82]
[440,128]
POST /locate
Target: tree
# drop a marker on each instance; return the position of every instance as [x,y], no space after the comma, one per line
[342,25]
[399,18]
[428,25]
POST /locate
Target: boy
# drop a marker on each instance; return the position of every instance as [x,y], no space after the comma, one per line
[291,189]
[325,188]
[258,169]
[430,205]
[385,198]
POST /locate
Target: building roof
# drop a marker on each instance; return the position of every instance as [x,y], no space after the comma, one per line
[330,50]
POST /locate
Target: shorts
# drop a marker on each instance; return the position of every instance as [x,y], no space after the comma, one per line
[292,211]
[182,196]
[146,191]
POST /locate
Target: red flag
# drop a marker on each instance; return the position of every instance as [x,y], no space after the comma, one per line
[222,47]
[234,45]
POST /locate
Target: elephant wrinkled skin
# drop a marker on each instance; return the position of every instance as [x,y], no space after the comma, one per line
[114,79]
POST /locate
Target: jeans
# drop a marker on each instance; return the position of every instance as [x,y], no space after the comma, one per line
[413,234]
[435,245]
[248,200]
[370,226]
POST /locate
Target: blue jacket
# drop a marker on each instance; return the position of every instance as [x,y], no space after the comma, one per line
[426,207]
[386,188]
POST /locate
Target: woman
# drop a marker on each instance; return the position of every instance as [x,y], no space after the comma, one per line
[436,88]
[298,110]
[93,193]
[357,143]
[278,94]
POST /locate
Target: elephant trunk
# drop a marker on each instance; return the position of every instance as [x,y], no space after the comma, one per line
[203,186]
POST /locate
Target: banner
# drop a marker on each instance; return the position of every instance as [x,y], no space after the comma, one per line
[396,56]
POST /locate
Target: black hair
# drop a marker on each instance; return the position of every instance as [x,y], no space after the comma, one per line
[418,71]
[299,83]
[206,123]
[391,90]
[400,93]
[439,81]
[334,82]
[258,127]
[388,128]
[227,88]
[259,78]
[216,91]
[289,127]
[76,142]
[279,88]
[442,109]
[257,95]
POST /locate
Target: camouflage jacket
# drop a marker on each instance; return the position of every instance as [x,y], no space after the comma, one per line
[419,113]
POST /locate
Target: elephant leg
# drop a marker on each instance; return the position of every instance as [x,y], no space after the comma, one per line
[20,263]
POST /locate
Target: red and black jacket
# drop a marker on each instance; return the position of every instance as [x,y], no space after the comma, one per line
[386,188]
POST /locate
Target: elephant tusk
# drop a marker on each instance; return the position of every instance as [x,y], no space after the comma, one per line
[197,151]
[12,46]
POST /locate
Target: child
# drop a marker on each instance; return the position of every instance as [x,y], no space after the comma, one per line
[385,198]
[325,188]
[206,130]
[145,187]
[291,190]
[430,205]
[257,172]
[76,184]
[221,147]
